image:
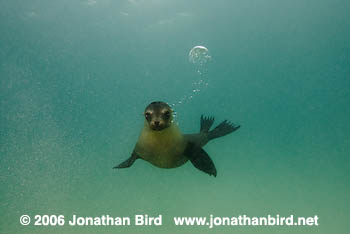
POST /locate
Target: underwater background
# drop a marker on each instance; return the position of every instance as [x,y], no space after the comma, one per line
[75,77]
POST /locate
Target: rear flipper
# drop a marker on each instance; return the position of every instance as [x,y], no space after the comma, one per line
[200,159]
[206,123]
[222,129]
[128,163]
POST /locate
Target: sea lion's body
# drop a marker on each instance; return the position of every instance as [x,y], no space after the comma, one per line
[162,144]
[164,148]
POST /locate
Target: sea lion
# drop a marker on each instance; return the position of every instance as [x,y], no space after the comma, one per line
[162,144]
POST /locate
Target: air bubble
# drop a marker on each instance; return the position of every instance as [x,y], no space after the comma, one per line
[199,55]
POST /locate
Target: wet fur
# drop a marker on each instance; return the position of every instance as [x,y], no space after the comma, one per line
[164,148]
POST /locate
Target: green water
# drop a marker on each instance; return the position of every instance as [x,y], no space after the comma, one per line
[75,77]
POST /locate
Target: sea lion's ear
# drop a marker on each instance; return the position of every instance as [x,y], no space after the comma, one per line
[200,159]
[128,163]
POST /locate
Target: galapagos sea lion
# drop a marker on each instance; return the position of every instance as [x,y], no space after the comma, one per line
[162,144]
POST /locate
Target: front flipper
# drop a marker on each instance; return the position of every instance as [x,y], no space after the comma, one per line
[200,159]
[127,163]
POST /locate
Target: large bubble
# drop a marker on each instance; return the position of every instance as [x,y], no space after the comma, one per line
[199,55]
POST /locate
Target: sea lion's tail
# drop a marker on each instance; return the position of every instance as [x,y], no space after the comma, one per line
[222,129]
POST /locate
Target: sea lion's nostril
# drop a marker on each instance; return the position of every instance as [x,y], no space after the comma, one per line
[156,123]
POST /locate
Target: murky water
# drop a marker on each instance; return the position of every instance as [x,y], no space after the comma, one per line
[76,76]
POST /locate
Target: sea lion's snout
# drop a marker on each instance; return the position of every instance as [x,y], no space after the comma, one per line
[157,125]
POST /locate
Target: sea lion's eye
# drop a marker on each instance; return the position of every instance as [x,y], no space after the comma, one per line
[148,116]
[167,115]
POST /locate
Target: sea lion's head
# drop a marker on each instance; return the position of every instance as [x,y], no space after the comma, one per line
[158,115]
